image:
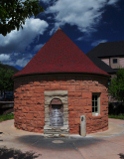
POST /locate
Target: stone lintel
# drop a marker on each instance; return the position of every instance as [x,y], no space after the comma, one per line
[56,93]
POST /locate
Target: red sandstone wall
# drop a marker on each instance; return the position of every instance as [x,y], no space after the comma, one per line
[29,101]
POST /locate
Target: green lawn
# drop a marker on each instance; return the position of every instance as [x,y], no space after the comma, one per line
[6,117]
[120,116]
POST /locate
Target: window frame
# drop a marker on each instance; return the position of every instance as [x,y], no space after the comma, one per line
[96,104]
[114,61]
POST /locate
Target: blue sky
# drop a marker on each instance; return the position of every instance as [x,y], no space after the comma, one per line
[86,22]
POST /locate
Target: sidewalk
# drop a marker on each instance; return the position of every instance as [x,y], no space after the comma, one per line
[103,145]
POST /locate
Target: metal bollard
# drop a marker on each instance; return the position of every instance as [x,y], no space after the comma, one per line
[82,125]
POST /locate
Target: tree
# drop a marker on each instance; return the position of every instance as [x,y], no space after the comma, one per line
[6,81]
[116,88]
[13,13]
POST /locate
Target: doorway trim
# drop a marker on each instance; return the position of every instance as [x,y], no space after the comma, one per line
[49,96]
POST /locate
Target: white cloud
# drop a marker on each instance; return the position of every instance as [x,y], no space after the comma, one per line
[85,14]
[112,2]
[95,43]
[16,59]
[80,38]
[22,62]
[12,46]
[45,1]
[19,40]
[4,57]
[38,47]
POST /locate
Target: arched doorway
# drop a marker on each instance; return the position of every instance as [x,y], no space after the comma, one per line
[56,112]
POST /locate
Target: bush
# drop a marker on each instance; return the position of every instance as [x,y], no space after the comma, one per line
[116,108]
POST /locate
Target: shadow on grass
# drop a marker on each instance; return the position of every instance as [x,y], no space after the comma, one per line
[121,155]
[6,153]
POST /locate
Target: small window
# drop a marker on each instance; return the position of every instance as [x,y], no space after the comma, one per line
[115,61]
[95,103]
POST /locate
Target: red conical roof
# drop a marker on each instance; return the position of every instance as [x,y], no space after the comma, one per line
[60,55]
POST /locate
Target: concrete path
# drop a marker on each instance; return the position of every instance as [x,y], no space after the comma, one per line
[104,145]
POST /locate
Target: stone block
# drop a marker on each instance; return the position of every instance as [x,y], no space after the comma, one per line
[86,95]
[75,94]
[29,115]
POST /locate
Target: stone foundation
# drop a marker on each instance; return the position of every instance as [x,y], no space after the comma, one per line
[32,99]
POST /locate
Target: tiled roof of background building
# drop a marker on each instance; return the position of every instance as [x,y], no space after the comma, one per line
[101,64]
[108,49]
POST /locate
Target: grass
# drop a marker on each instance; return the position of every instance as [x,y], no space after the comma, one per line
[120,116]
[6,117]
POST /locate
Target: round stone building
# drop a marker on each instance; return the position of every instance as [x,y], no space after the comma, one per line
[60,88]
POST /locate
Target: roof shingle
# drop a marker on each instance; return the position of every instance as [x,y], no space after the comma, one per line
[60,55]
